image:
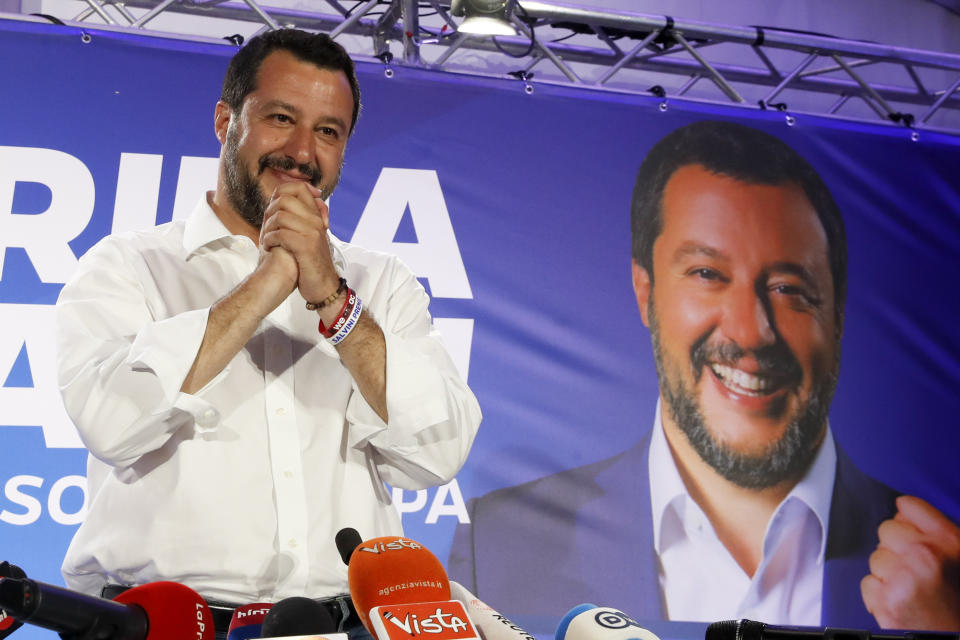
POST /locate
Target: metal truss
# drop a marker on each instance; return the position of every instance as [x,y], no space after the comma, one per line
[752,66]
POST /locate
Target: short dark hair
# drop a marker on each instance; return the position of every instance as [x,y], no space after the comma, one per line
[318,49]
[744,154]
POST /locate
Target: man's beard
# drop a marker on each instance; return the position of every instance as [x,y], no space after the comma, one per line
[786,459]
[244,192]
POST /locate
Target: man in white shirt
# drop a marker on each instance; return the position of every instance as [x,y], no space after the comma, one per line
[245,382]
[739,503]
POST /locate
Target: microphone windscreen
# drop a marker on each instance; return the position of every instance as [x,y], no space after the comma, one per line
[297,616]
[589,622]
[347,540]
[565,621]
[247,621]
[173,610]
[392,570]
[742,629]
[8,570]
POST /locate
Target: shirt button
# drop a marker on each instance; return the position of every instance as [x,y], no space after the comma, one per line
[292,543]
[288,475]
[207,418]
[281,411]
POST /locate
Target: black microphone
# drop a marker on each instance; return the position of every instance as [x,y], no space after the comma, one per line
[347,540]
[155,611]
[9,624]
[752,630]
[297,616]
[69,612]
[8,570]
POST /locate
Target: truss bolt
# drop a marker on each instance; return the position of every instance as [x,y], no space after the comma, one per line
[85,38]
[791,121]
[662,106]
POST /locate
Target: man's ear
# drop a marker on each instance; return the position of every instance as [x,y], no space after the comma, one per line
[642,289]
[221,120]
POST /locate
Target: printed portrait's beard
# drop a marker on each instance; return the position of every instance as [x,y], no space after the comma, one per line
[243,191]
[786,459]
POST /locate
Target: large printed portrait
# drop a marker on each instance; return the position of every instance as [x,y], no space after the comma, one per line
[739,503]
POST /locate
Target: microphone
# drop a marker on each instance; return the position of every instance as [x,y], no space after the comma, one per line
[155,611]
[297,616]
[400,589]
[247,621]
[394,570]
[590,622]
[491,624]
[347,540]
[173,610]
[752,630]
[9,624]
[8,570]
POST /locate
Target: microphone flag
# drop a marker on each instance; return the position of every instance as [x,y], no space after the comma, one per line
[443,620]
[247,621]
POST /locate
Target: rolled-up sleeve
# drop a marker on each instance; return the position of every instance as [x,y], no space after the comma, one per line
[433,415]
[120,368]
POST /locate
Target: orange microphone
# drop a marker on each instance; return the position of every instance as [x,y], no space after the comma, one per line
[401,591]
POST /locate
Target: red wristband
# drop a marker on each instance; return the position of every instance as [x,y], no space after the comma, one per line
[341,316]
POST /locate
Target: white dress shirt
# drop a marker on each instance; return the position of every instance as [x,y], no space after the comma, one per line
[700,580]
[238,490]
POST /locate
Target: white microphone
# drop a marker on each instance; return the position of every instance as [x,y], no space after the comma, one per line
[590,622]
[491,624]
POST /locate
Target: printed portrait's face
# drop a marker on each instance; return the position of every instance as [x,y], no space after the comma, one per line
[293,126]
[741,310]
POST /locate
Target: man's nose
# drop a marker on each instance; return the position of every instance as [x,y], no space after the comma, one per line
[299,145]
[747,318]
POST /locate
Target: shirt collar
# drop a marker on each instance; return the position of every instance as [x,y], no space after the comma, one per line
[204,227]
[667,491]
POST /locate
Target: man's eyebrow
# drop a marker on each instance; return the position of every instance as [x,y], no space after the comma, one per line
[691,249]
[286,106]
[280,104]
[795,269]
[334,120]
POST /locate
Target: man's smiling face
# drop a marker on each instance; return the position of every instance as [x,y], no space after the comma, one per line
[745,336]
[292,127]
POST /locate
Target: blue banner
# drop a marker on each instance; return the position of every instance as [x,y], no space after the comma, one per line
[514,211]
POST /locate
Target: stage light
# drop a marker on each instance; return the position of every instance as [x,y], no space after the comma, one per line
[485,17]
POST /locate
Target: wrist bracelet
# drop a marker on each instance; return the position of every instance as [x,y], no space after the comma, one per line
[342,315]
[350,323]
[313,306]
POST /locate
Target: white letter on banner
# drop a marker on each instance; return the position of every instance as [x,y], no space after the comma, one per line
[197,176]
[41,404]
[56,496]
[138,189]
[45,235]
[12,491]
[408,507]
[458,337]
[439,507]
[436,256]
